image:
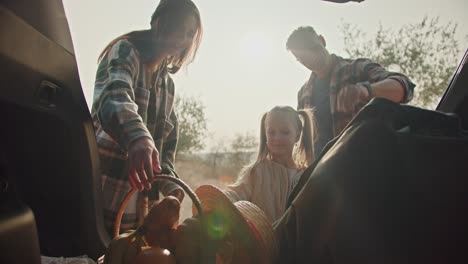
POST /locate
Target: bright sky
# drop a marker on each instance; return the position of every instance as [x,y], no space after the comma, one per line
[242,68]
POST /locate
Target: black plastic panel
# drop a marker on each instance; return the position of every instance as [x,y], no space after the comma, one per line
[48,137]
[46,16]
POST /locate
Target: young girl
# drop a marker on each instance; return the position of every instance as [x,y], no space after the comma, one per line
[286,149]
[133,110]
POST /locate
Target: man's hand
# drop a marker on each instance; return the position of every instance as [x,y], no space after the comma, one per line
[143,157]
[351,97]
[178,193]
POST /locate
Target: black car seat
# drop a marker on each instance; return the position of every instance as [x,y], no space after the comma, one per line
[392,188]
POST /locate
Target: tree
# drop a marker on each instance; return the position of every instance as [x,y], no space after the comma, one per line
[217,152]
[243,147]
[427,52]
[192,124]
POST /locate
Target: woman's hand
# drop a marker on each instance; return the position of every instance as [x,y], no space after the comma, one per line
[143,157]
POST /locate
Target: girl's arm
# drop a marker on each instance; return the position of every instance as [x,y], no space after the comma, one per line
[242,189]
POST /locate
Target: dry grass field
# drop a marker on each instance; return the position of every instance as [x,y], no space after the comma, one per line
[196,170]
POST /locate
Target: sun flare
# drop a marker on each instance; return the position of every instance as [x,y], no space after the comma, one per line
[256,45]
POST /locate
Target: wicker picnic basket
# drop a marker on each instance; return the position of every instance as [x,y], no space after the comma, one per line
[124,247]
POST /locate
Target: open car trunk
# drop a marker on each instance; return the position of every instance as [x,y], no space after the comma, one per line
[49,160]
[48,146]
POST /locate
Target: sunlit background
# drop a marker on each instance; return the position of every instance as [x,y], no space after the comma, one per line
[242,68]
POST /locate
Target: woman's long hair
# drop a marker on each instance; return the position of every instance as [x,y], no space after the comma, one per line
[164,20]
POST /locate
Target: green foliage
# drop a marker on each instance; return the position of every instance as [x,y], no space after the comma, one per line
[427,52]
[192,124]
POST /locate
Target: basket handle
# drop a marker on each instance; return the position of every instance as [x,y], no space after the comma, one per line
[159,177]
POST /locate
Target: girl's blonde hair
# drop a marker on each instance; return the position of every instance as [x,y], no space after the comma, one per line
[304,151]
[164,19]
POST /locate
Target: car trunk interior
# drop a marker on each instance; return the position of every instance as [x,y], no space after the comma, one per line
[48,152]
[48,149]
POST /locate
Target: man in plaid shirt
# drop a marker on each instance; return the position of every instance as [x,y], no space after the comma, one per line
[338,87]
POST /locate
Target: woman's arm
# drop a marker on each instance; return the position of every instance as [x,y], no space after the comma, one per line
[114,95]
[116,108]
[168,161]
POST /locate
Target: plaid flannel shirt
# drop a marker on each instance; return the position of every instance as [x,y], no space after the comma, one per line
[346,72]
[128,106]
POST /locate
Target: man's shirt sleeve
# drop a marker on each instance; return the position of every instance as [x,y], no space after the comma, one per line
[367,70]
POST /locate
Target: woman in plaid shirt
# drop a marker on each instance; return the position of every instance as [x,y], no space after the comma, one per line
[133,109]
